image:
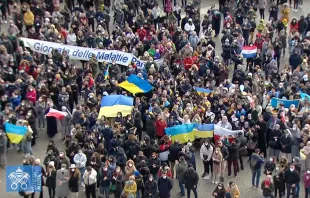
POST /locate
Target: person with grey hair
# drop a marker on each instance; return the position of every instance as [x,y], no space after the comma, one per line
[65,123]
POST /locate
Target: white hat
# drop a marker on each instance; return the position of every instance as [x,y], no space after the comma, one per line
[72,166]
[189,19]
[105,93]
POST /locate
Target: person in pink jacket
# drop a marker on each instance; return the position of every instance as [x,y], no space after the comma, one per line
[31,94]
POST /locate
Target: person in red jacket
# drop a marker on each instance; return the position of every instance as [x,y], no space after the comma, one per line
[188,62]
[294,25]
[31,94]
[142,33]
[160,127]
[259,41]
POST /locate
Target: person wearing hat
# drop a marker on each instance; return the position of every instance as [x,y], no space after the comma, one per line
[51,178]
[62,179]
[74,181]
[140,184]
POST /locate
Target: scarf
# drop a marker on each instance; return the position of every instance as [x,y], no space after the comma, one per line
[267,183]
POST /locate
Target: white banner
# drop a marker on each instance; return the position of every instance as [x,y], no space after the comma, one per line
[220,131]
[84,53]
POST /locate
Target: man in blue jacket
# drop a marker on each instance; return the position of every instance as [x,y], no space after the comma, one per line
[257,160]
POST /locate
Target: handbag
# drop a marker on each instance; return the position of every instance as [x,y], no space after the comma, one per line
[112,187]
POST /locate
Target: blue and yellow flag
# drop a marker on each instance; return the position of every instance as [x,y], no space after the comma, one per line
[202,91]
[106,72]
[112,104]
[134,84]
[204,130]
[15,133]
[303,96]
[183,133]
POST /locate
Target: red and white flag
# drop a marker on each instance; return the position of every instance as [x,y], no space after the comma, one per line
[220,132]
[57,114]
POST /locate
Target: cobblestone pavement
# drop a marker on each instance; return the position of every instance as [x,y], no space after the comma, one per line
[205,187]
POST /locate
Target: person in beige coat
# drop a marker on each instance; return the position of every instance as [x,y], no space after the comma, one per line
[217,158]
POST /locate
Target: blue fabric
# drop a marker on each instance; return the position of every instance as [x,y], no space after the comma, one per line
[255,177]
[112,100]
[139,82]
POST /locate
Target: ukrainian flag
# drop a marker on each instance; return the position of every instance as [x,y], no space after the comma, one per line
[204,130]
[106,72]
[112,104]
[15,133]
[183,133]
[202,91]
[134,84]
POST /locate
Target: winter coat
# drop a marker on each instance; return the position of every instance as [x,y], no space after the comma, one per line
[62,190]
[151,162]
[181,169]
[191,178]
[278,180]
[164,186]
[206,153]
[286,141]
[74,183]
[150,187]
[174,151]
[307,179]
[267,190]
[51,179]
[160,128]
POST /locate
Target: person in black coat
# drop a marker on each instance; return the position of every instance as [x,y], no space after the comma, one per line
[74,180]
[261,127]
[51,179]
[242,148]
[150,187]
[174,152]
[108,136]
[51,122]
[270,166]
[233,157]
[286,148]
[191,179]
[279,182]
[164,186]
[292,178]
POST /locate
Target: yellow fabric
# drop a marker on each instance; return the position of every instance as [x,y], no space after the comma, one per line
[132,88]
[112,111]
[14,138]
[183,138]
[302,155]
[203,134]
[29,18]
[130,189]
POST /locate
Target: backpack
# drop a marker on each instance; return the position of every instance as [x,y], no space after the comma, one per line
[253,162]
[139,182]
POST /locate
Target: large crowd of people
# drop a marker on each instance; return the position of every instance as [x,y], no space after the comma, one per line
[131,156]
